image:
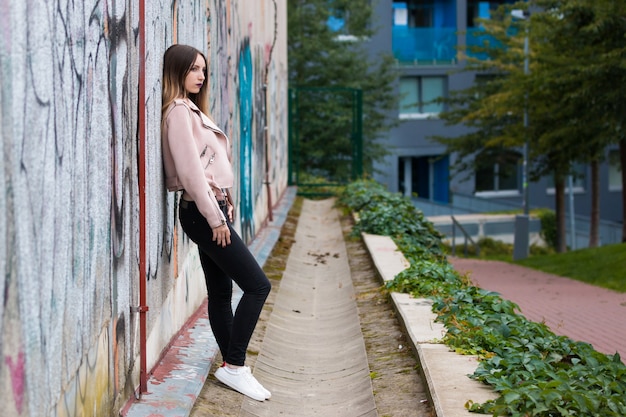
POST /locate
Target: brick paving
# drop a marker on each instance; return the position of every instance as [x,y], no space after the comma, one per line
[571,308]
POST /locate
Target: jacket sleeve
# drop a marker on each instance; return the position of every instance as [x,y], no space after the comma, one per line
[188,165]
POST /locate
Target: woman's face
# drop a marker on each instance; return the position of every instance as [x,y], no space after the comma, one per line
[195,77]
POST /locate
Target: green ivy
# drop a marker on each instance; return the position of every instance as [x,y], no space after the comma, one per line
[390,214]
[535,372]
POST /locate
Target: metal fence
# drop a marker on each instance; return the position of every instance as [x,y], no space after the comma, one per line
[609,232]
[325,138]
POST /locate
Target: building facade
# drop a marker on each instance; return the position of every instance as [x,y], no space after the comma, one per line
[424,37]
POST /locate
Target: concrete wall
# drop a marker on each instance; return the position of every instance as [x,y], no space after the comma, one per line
[69,213]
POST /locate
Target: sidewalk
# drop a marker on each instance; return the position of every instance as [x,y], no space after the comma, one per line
[570,308]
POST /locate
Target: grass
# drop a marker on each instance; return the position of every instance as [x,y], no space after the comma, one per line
[604,266]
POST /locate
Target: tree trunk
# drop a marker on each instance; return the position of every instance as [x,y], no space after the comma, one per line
[559,187]
[595,204]
[622,158]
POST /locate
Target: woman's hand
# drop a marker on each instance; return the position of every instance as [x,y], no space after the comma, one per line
[231,213]
[221,235]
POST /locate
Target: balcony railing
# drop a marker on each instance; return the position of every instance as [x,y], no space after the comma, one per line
[424,46]
[478,37]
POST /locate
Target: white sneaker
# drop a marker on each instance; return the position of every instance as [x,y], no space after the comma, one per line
[260,387]
[240,380]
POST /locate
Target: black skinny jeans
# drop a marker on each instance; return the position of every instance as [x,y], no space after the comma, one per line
[222,266]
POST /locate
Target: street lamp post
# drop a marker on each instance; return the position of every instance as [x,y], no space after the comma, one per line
[525,15]
[521,243]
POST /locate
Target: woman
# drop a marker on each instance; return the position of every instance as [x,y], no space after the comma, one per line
[197,161]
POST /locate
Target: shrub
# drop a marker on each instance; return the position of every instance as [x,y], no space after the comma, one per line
[548,227]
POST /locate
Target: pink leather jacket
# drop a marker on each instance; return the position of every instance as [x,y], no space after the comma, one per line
[196,158]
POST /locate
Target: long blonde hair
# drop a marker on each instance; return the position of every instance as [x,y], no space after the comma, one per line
[177,62]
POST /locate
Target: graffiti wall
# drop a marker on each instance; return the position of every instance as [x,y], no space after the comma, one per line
[253,67]
[69,212]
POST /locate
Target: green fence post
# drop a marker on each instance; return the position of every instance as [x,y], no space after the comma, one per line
[357,143]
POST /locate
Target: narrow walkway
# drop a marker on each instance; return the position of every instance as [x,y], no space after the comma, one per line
[313,357]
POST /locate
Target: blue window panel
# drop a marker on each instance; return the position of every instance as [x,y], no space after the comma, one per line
[424,44]
[483,10]
[335,23]
[412,41]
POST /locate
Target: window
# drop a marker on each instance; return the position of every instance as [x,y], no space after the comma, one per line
[339,23]
[501,177]
[615,172]
[336,23]
[477,9]
[414,13]
[424,32]
[417,94]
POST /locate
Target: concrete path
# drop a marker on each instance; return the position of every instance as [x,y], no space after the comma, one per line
[313,357]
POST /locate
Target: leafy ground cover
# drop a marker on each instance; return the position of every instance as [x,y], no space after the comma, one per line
[535,372]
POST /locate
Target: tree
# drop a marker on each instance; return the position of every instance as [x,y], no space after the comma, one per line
[557,81]
[593,69]
[326,50]
[494,111]
[607,71]
[574,111]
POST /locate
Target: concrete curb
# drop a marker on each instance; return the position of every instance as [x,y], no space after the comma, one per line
[445,372]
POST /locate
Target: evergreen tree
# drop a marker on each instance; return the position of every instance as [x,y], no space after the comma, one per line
[327,42]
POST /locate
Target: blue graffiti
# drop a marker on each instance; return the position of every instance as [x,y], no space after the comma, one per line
[246,109]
